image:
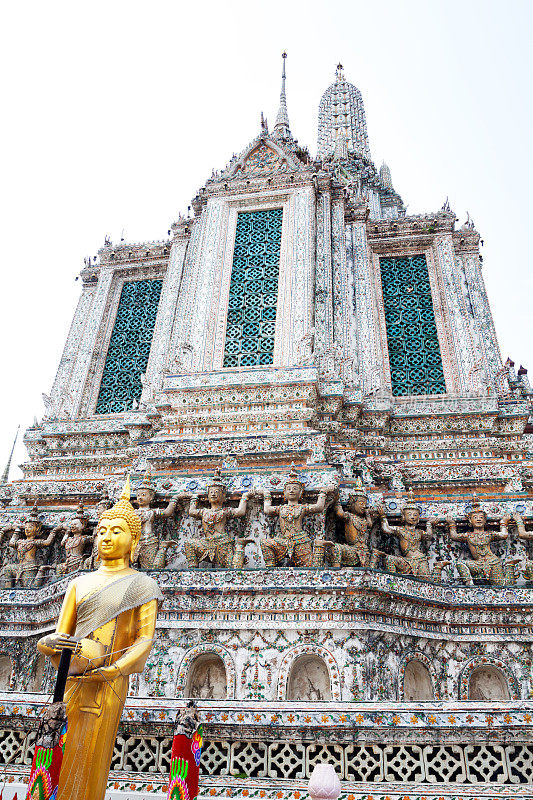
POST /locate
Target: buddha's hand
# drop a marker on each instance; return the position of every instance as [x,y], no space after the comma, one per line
[56,642]
[102,674]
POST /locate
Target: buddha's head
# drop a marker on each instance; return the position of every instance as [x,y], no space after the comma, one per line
[119,529]
[294,488]
[410,511]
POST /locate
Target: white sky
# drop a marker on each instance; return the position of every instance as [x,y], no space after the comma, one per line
[114,114]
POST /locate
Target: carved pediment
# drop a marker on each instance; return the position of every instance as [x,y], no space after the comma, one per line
[262,160]
[263,157]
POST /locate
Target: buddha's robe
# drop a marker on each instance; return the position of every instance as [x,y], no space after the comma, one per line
[121,615]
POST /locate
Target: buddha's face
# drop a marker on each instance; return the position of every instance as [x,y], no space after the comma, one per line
[411,516]
[477,519]
[215,494]
[31,529]
[114,539]
[359,504]
[144,497]
[292,491]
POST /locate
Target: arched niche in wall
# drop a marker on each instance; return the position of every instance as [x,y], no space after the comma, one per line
[207,679]
[36,680]
[417,682]
[488,683]
[6,668]
[309,679]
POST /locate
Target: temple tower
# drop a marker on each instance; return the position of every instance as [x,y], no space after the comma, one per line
[341,114]
[301,330]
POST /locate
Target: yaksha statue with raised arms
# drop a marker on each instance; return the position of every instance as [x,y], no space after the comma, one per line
[526,536]
[150,553]
[292,541]
[217,545]
[357,524]
[74,541]
[412,561]
[28,572]
[484,563]
[108,621]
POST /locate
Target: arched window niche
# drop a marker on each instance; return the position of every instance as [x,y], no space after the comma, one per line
[417,683]
[488,683]
[309,679]
[36,681]
[207,678]
[6,668]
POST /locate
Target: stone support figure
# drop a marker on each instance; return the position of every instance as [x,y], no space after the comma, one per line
[484,563]
[108,621]
[150,553]
[412,561]
[526,536]
[12,533]
[357,525]
[217,544]
[28,572]
[292,541]
[74,541]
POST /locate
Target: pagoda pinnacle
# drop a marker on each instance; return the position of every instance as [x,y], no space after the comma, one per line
[281,128]
[5,474]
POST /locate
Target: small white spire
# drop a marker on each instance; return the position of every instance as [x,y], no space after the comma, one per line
[281,128]
[384,174]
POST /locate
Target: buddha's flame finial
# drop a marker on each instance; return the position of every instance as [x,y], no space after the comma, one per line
[126,491]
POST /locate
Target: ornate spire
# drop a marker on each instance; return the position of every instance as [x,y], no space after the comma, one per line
[281,128]
[5,474]
[341,111]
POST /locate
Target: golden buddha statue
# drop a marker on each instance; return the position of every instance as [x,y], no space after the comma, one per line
[108,620]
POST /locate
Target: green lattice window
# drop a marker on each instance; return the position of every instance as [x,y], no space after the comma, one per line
[129,347]
[414,353]
[253,293]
